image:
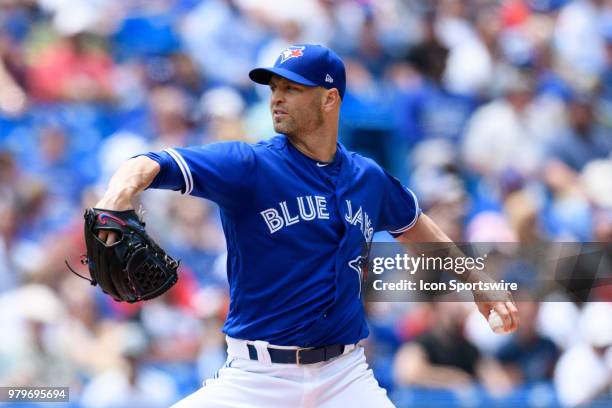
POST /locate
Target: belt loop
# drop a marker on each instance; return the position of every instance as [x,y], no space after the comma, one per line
[237,348]
[263,355]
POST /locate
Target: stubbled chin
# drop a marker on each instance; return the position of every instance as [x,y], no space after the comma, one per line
[277,127]
[280,126]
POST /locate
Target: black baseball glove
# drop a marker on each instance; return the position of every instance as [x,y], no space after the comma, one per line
[133,268]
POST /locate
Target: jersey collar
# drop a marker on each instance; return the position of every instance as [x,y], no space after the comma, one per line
[338,157]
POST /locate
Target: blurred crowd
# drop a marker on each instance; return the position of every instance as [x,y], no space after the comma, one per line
[498,114]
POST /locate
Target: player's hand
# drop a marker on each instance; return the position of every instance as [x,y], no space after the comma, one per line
[108,237]
[502,303]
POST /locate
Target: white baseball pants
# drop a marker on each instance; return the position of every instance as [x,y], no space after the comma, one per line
[345,381]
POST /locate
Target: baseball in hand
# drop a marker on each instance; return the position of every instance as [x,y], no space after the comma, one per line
[496,322]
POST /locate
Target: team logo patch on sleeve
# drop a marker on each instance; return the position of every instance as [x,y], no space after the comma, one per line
[291,52]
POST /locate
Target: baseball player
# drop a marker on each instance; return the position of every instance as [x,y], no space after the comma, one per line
[296,211]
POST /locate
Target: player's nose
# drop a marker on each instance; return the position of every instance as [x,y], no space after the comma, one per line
[277,97]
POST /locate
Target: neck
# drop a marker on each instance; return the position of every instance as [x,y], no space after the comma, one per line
[319,144]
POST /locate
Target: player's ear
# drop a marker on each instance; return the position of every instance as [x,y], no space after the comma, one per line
[331,99]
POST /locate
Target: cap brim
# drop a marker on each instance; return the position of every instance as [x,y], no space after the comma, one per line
[263,75]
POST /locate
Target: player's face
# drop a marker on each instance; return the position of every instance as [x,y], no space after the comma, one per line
[295,108]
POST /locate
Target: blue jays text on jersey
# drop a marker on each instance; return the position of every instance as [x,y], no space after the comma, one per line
[295,229]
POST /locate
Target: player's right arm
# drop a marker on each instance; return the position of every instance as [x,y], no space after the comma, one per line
[221,172]
[131,179]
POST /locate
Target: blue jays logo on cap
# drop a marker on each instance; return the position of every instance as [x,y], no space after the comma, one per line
[291,52]
[306,64]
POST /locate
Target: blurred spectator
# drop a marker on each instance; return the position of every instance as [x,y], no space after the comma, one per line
[147,30]
[584,140]
[442,357]
[172,325]
[73,68]
[583,374]
[8,278]
[499,133]
[581,209]
[528,357]
[30,354]
[314,18]
[135,385]
[580,22]
[55,166]
[222,109]
[521,209]
[170,111]
[594,178]
[211,305]
[224,59]
[13,27]
[116,149]
[437,184]
[13,98]
[76,16]
[199,239]
[367,119]
[430,109]
[31,199]
[85,337]
[472,47]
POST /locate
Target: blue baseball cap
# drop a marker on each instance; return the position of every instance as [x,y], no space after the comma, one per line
[306,64]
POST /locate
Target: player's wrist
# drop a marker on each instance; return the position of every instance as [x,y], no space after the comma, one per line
[474,276]
[118,200]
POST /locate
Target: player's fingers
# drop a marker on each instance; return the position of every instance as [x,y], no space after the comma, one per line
[108,237]
[102,235]
[513,314]
[112,238]
[484,308]
[503,312]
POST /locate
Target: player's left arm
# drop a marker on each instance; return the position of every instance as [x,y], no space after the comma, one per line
[425,230]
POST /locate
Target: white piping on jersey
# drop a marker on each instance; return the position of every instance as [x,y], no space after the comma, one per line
[416,216]
[184,169]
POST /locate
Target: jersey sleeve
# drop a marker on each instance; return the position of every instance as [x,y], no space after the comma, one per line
[222,172]
[400,208]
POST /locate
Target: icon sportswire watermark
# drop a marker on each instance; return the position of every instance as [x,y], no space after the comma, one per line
[451,272]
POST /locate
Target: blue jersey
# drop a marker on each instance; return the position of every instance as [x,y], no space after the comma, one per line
[295,231]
